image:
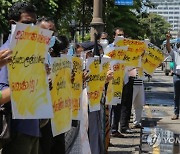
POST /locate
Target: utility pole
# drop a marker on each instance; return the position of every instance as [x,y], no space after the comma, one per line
[97,24]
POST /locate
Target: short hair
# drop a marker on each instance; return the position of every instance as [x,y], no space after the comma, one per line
[43,18]
[104,33]
[61,44]
[117,28]
[20,7]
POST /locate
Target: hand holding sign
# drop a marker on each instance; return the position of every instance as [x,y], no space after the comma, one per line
[5,57]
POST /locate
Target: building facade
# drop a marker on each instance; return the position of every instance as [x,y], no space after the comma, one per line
[170,10]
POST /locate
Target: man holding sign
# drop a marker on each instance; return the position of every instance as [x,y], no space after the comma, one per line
[175,54]
[25,133]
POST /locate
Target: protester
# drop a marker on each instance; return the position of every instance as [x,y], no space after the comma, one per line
[116,110]
[104,40]
[175,54]
[25,133]
[5,57]
[122,111]
[138,100]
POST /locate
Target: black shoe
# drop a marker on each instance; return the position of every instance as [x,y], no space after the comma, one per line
[127,131]
[175,117]
[117,134]
[137,126]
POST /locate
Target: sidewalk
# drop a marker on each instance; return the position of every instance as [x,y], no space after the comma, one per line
[128,145]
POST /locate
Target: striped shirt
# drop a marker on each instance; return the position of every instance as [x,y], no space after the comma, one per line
[134,73]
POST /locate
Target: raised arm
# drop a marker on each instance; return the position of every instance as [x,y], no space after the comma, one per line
[168,45]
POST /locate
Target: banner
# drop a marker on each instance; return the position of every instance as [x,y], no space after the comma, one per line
[61,95]
[115,86]
[97,75]
[76,87]
[135,50]
[30,96]
[152,58]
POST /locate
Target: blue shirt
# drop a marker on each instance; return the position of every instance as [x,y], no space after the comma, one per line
[25,126]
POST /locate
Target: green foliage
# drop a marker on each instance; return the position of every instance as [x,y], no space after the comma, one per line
[154,27]
[124,17]
[131,18]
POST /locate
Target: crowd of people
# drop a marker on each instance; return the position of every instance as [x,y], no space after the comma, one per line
[34,136]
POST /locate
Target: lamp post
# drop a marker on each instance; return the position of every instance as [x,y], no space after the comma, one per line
[97,24]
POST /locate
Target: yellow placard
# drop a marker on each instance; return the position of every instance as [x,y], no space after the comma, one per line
[114,91]
[152,58]
[135,49]
[30,96]
[97,76]
[61,95]
[76,87]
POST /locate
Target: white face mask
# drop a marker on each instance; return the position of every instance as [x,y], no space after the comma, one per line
[52,41]
[104,43]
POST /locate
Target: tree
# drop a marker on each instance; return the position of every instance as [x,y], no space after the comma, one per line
[154,27]
[131,18]
[123,16]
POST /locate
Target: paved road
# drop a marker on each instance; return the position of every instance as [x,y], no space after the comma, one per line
[159,91]
[156,120]
[160,133]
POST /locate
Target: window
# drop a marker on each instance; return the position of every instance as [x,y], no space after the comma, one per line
[176,12]
[175,29]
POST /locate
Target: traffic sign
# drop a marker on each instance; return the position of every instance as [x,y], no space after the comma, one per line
[123,2]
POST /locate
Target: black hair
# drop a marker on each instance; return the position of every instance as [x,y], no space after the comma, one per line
[43,18]
[61,44]
[104,33]
[117,28]
[18,8]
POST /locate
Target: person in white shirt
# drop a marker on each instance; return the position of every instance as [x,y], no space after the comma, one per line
[138,99]
[175,54]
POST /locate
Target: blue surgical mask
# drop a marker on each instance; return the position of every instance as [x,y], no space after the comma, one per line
[52,41]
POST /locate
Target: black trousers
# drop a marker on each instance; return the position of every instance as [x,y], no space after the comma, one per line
[50,144]
[122,112]
[21,144]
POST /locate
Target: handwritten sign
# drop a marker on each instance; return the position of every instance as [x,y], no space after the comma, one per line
[116,53]
[97,76]
[30,96]
[114,91]
[152,58]
[61,95]
[76,87]
[135,49]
